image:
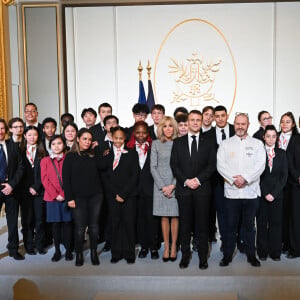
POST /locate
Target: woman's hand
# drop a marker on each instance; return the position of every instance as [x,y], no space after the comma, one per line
[168,190]
[119,199]
[60,198]
[71,204]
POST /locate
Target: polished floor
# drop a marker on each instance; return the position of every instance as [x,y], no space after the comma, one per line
[145,279]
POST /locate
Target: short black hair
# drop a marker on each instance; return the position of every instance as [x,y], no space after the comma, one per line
[68,115]
[180,109]
[110,117]
[49,120]
[158,107]
[88,110]
[181,118]
[220,108]
[261,113]
[270,127]
[140,108]
[14,120]
[104,104]
[195,111]
[32,104]
[117,128]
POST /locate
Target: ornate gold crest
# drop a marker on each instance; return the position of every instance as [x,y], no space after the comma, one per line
[194,79]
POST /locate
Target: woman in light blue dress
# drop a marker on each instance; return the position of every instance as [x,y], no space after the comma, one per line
[164,201]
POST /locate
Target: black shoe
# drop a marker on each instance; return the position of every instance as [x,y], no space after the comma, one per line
[114,260]
[68,256]
[31,252]
[94,258]
[225,261]
[203,265]
[172,259]
[106,247]
[290,255]
[143,253]
[154,254]
[184,263]
[17,256]
[262,258]
[275,258]
[253,261]
[130,261]
[166,259]
[42,251]
[79,259]
[56,256]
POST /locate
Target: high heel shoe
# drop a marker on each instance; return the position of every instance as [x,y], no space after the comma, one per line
[172,259]
[79,259]
[166,259]
[94,258]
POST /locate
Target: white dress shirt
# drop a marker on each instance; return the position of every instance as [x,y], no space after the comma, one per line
[245,157]
[219,133]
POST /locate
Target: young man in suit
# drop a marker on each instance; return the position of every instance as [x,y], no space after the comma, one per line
[98,130]
[11,172]
[89,117]
[157,113]
[222,131]
[31,117]
[193,161]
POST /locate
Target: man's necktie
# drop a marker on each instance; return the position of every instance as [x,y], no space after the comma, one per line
[3,164]
[223,134]
[194,148]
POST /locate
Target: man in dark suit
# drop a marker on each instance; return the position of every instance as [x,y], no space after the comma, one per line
[222,131]
[157,113]
[193,161]
[31,114]
[11,172]
[98,130]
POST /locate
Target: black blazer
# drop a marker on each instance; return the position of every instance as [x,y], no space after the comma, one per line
[32,176]
[274,182]
[259,134]
[98,133]
[152,133]
[122,181]
[146,182]
[293,156]
[182,165]
[15,164]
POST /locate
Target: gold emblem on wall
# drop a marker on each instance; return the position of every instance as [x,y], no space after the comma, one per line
[194,79]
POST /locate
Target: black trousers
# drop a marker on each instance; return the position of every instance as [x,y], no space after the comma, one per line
[269,228]
[295,220]
[123,217]
[86,214]
[34,220]
[148,225]
[194,209]
[236,210]
[11,210]
[286,214]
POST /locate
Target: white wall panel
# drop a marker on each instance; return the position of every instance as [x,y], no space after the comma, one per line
[109,42]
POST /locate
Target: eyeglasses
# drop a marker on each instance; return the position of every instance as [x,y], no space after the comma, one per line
[16,127]
[266,119]
[30,111]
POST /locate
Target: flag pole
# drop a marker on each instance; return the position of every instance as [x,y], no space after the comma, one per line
[149,70]
[140,69]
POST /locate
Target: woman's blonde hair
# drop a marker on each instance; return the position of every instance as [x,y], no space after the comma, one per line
[160,133]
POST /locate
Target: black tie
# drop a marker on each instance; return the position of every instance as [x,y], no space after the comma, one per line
[223,134]
[3,164]
[194,149]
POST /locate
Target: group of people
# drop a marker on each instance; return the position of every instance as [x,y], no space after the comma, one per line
[170,182]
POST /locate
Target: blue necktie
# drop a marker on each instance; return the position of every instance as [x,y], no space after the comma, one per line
[3,165]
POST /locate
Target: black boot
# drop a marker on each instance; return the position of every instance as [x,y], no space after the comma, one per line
[94,258]
[79,259]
